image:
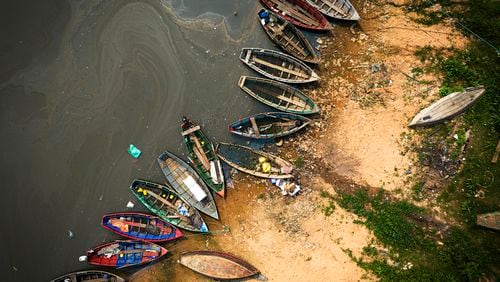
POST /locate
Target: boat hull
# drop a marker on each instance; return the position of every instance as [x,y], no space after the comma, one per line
[269,125]
[201,154]
[121,254]
[338,9]
[89,275]
[447,107]
[248,160]
[140,226]
[287,37]
[176,210]
[187,183]
[217,265]
[278,95]
[299,13]
[278,66]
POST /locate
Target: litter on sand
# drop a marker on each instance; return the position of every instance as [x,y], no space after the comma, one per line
[287,187]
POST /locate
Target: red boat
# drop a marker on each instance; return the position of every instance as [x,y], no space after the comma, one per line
[121,254]
[299,13]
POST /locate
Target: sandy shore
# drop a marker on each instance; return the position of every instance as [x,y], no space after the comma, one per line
[367,97]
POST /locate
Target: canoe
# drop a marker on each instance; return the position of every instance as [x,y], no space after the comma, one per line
[278,66]
[447,107]
[121,254]
[217,265]
[287,37]
[187,183]
[338,9]
[489,220]
[299,13]
[140,226]
[201,154]
[269,125]
[89,275]
[168,205]
[254,162]
[278,95]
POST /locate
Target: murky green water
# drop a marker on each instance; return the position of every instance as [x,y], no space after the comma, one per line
[80,81]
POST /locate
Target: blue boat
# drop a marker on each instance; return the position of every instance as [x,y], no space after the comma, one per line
[140,226]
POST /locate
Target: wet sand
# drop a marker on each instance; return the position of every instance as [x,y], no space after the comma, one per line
[98,76]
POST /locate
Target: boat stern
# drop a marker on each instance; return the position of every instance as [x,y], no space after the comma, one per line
[245,54]
[178,234]
[222,193]
[314,77]
[163,251]
[241,81]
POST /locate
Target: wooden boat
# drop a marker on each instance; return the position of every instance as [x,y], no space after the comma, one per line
[187,183]
[338,9]
[277,65]
[217,265]
[201,154]
[489,220]
[447,107]
[121,254]
[168,205]
[269,125]
[287,37]
[299,13]
[140,226]
[254,162]
[278,95]
[90,276]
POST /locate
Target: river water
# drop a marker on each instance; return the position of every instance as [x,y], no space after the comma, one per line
[79,82]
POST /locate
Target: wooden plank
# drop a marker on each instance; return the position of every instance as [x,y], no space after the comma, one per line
[200,153]
[254,126]
[262,62]
[289,41]
[497,152]
[138,224]
[136,251]
[291,101]
[336,8]
[159,198]
[191,130]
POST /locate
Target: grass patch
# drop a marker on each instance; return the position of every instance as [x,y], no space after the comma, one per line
[299,162]
[329,209]
[413,254]
[417,189]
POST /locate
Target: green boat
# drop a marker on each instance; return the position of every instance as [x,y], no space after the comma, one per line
[278,95]
[202,156]
[168,205]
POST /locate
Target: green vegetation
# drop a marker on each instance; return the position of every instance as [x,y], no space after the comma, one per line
[415,252]
[418,247]
[330,207]
[299,162]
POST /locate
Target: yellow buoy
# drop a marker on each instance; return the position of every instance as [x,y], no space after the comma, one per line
[262,159]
